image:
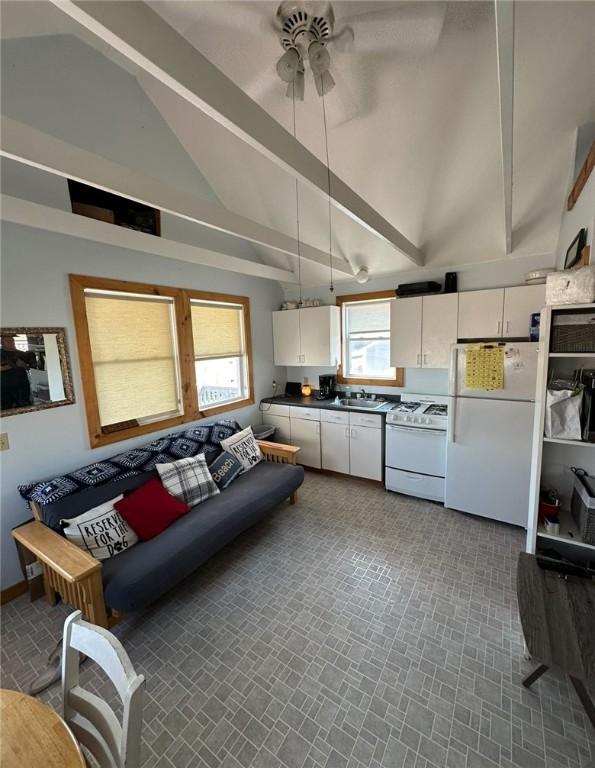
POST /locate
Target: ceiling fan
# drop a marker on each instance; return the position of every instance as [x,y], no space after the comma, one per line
[306,29]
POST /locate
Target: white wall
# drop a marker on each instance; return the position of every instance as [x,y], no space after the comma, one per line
[34,292]
[498,274]
[582,215]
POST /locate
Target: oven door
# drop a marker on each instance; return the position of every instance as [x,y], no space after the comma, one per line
[415,449]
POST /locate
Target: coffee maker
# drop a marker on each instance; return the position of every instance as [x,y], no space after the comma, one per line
[326,387]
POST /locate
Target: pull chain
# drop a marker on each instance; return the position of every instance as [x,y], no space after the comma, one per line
[328,172]
[297,209]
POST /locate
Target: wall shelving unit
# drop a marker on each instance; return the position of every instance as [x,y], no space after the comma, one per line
[553,457]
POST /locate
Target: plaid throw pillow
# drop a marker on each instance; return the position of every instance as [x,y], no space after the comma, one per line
[188,479]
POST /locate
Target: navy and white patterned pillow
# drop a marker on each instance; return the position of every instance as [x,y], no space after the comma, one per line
[225,469]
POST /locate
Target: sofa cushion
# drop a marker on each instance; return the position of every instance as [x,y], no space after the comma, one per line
[139,576]
[150,509]
[225,469]
[244,447]
[101,531]
[188,479]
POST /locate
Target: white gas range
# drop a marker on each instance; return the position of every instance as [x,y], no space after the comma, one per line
[416,446]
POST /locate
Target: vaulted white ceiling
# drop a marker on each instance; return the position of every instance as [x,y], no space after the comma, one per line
[413,124]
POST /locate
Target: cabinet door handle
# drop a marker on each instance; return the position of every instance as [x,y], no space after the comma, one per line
[353,433]
[419,358]
[508,326]
[499,332]
[425,359]
[346,431]
[317,427]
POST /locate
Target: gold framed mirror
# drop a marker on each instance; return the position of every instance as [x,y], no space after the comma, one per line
[34,370]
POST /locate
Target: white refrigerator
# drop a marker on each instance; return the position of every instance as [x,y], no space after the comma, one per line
[488,455]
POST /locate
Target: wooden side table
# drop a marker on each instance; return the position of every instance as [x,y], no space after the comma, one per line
[558,617]
[34,735]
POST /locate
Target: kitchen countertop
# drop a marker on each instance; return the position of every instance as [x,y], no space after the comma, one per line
[312,402]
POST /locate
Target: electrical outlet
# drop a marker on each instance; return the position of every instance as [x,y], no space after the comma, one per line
[4,446]
[33,569]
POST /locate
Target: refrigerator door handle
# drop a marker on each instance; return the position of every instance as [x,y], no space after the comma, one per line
[452,373]
[450,430]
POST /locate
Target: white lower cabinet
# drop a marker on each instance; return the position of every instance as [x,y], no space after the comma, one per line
[282,424]
[305,433]
[365,449]
[276,415]
[334,440]
[341,441]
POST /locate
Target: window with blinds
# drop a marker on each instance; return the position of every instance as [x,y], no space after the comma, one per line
[366,340]
[220,359]
[134,357]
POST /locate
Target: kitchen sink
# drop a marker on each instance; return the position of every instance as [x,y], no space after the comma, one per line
[361,402]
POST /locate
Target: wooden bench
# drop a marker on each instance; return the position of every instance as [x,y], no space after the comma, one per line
[75,575]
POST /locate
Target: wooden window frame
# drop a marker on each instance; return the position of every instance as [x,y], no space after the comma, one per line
[244,301]
[185,351]
[399,372]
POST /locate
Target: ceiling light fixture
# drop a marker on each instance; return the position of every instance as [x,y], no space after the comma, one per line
[363,275]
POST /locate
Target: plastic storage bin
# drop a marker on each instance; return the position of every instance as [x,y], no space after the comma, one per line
[573,332]
[263,431]
[582,507]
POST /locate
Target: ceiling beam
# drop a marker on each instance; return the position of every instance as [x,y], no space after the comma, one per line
[504,10]
[27,145]
[17,211]
[137,32]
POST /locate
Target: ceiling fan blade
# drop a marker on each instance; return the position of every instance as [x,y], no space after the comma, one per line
[406,27]
[297,87]
[324,83]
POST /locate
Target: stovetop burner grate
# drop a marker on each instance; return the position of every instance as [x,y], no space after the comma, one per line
[436,410]
[406,407]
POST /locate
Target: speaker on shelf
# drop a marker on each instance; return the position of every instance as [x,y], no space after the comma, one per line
[450,282]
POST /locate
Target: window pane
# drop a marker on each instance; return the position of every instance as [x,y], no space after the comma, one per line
[217,330]
[220,380]
[134,360]
[368,316]
[369,358]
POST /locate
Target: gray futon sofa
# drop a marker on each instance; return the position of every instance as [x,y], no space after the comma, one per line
[134,578]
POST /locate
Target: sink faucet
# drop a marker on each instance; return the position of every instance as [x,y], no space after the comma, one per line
[363,392]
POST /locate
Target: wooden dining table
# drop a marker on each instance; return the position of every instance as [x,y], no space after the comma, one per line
[32,734]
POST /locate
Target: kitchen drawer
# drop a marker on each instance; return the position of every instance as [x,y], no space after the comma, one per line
[365,420]
[413,484]
[311,414]
[273,409]
[334,417]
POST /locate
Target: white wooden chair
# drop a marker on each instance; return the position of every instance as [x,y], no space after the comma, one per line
[93,722]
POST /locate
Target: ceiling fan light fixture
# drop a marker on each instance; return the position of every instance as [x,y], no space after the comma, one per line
[362,275]
[288,66]
[319,58]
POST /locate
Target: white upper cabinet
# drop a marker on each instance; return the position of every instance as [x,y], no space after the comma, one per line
[286,338]
[308,336]
[480,314]
[422,330]
[405,332]
[519,304]
[320,331]
[439,329]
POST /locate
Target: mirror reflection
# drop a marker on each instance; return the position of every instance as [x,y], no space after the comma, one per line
[34,369]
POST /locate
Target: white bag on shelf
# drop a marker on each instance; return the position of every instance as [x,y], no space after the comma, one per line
[563,414]
[571,286]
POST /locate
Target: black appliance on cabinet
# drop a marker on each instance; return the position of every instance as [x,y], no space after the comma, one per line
[326,387]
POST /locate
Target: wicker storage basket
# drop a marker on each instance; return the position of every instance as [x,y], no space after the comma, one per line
[582,508]
[573,333]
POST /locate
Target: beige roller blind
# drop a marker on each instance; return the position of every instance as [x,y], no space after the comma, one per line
[217,330]
[134,358]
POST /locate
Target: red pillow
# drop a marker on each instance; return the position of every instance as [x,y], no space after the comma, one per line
[150,509]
